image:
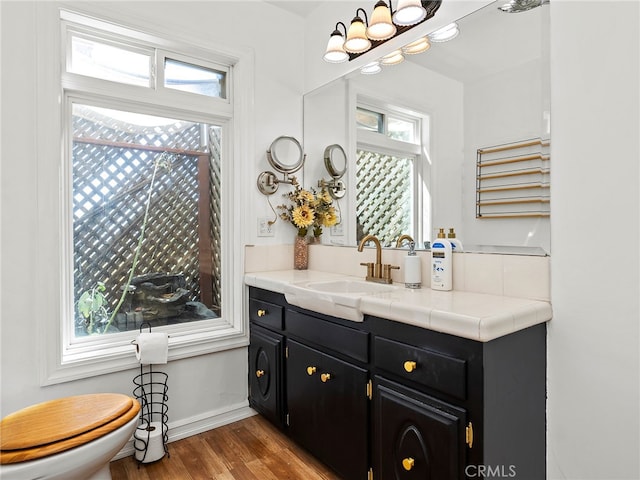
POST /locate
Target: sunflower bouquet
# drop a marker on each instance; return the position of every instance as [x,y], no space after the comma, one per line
[324,212]
[307,209]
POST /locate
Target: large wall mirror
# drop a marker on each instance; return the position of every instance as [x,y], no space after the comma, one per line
[488,86]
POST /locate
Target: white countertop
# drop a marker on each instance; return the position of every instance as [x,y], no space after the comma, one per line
[476,316]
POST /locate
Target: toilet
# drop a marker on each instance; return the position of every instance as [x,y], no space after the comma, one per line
[71,438]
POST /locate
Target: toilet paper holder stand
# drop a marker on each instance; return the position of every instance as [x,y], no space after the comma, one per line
[151,437]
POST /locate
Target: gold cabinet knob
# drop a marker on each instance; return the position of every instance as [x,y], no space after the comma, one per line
[325,377]
[259,373]
[262,313]
[311,370]
[410,366]
[407,463]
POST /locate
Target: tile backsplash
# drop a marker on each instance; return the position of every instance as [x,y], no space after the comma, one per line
[510,275]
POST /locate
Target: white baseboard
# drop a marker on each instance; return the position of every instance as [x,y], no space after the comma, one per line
[198,424]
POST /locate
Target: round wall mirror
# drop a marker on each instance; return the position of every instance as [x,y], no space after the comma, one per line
[285,155]
[335,160]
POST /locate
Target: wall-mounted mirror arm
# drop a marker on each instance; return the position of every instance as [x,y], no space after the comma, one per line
[284,155]
[268,182]
[335,161]
[336,188]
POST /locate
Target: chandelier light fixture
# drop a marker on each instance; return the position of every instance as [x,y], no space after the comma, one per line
[385,24]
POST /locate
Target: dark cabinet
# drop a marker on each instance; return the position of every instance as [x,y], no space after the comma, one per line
[328,409]
[386,400]
[265,373]
[416,436]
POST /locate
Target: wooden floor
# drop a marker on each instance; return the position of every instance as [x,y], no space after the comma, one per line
[251,449]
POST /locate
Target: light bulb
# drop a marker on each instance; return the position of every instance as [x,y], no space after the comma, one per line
[371,68]
[409,12]
[335,49]
[381,27]
[357,41]
[446,33]
[419,46]
[392,58]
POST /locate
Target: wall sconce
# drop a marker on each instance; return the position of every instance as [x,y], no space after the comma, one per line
[409,12]
[362,35]
[357,41]
[335,48]
[381,26]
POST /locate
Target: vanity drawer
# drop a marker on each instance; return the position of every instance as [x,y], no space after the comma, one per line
[266,314]
[347,341]
[431,369]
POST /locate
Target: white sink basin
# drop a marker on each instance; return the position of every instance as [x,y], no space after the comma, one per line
[349,286]
[339,298]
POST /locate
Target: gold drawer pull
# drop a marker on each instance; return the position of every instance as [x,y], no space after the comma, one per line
[407,463]
[325,377]
[262,313]
[259,373]
[311,370]
[410,366]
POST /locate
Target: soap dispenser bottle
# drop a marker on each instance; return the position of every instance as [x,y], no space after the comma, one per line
[456,244]
[441,264]
[412,268]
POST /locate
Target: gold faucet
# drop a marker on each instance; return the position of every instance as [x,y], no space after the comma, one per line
[402,238]
[376,272]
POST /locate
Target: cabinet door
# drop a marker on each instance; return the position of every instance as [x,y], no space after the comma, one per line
[416,436]
[265,374]
[328,409]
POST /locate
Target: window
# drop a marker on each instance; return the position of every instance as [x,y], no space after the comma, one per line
[390,173]
[146,233]
[96,58]
[147,202]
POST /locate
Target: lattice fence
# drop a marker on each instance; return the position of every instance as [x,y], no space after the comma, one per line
[113,163]
[384,186]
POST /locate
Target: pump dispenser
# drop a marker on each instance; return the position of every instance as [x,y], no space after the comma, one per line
[456,245]
[441,268]
[412,268]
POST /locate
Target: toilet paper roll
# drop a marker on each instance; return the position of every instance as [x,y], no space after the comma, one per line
[152,347]
[151,436]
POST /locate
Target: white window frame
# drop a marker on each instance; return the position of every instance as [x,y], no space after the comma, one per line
[382,143]
[65,358]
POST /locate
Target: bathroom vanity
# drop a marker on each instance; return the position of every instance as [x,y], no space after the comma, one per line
[388,399]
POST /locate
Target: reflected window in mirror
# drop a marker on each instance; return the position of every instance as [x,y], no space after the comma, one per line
[390,175]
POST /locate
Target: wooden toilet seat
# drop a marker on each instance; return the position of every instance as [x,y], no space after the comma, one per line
[61,424]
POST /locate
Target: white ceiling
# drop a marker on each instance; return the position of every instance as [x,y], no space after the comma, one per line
[299,7]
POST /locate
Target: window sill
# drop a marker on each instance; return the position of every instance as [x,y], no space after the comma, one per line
[100,358]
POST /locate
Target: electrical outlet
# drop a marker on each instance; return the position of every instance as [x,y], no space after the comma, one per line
[265,229]
[337,230]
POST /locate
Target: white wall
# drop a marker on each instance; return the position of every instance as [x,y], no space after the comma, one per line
[593,358]
[202,390]
[504,107]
